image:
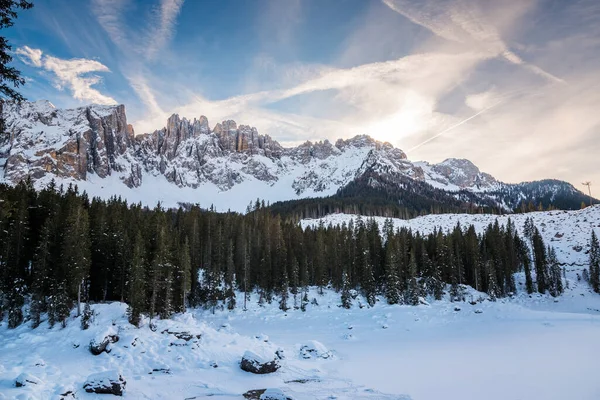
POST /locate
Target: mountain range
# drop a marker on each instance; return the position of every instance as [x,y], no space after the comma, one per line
[230,165]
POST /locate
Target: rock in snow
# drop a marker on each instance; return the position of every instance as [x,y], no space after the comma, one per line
[108,382]
[252,362]
[314,350]
[97,347]
[274,394]
[26,379]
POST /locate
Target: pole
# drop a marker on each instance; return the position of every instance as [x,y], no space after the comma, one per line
[589,186]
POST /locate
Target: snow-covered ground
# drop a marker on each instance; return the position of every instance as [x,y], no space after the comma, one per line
[519,348]
[525,347]
[568,232]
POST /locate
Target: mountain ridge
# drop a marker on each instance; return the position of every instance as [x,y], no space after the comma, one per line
[95,144]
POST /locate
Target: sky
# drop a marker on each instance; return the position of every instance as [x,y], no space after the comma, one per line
[512,85]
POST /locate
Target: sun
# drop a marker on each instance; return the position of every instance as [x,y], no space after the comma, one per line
[411,117]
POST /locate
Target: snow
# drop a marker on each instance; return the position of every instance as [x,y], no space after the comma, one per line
[528,347]
[227,180]
[567,231]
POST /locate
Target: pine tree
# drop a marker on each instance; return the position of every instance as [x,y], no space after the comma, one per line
[87,317]
[184,269]
[137,284]
[9,76]
[524,257]
[540,261]
[41,269]
[392,281]
[492,285]
[284,291]
[413,291]
[346,298]
[594,268]
[555,276]
[294,279]
[230,277]
[75,250]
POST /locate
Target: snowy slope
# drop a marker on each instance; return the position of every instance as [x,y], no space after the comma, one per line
[519,348]
[228,165]
[567,231]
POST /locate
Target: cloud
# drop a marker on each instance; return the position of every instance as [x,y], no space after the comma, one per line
[109,14]
[73,74]
[30,56]
[166,15]
[144,92]
[482,100]
[146,43]
[463,21]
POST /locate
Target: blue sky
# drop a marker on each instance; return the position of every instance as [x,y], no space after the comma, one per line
[511,85]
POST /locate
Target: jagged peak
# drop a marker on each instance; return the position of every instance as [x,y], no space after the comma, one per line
[458,162]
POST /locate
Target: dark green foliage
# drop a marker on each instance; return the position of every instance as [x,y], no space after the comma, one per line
[594,269]
[540,261]
[9,76]
[57,247]
[87,317]
[555,286]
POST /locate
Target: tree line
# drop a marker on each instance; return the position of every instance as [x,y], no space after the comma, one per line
[58,249]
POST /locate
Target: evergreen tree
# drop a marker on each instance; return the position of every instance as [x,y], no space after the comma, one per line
[540,261]
[555,285]
[75,251]
[9,76]
[346,298]
[594,268]
[137,284]
[392,281]
[87,317]
[413,291]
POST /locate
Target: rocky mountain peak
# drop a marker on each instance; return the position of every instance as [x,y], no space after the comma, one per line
[43,139]
[463,173]
[83,144]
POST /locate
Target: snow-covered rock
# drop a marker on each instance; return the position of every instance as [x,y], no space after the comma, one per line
[27,379]
[108,382]
[256,364]
[101,343]
[313,350]
[274,394]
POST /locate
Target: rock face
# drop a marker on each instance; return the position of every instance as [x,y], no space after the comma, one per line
[252,362]
[44,140]
[88,143]
[464,174]
[109,382]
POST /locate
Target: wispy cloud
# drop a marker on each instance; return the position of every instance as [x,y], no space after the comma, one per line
[74,74]
[464,22]
[162,20]
[30,56]
[109,14]
[166,15]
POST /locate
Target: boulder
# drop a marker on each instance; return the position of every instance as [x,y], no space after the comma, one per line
[108,382]
[274,394]
[97,347]
[266,394]
[26,379]
[252,362]
[314,350]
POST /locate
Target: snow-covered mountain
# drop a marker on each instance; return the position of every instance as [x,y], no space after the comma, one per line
[228,165]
